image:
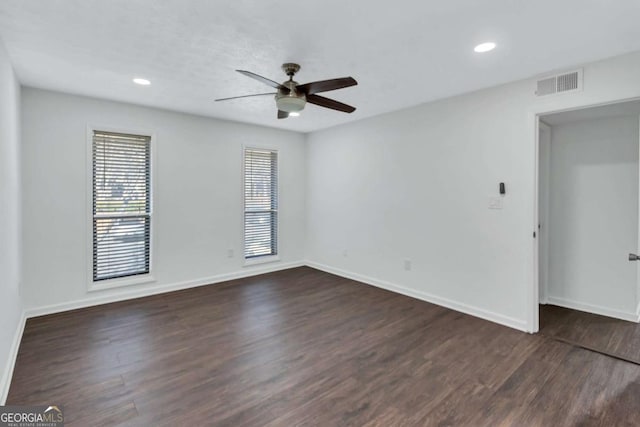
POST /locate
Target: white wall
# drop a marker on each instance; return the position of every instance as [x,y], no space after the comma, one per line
[10,303]
[197,195]
[594,215]
[414,184]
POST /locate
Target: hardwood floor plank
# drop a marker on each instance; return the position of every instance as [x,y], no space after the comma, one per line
[607,335]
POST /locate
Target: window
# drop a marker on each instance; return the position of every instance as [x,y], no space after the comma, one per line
[121,205]
[260,203]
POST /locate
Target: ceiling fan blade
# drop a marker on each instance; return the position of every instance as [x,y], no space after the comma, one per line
[330,103]
[264,80]
[245,96]
[282,114]
[326,85]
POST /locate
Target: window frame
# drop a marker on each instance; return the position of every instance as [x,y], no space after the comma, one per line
[262,259]
[137,279]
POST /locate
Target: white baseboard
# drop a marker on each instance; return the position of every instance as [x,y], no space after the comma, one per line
[5,381]
[595,309]
[444,302]
[126,295]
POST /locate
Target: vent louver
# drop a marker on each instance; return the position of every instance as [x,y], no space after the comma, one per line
[560,83]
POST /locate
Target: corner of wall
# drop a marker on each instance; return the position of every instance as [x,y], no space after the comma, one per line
[12,311]
[5,381]
[307,187]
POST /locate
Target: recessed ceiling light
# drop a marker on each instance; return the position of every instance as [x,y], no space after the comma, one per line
[143,82]
[484,47]
[294,114]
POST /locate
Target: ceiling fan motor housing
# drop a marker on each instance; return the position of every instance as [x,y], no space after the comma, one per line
[291,101]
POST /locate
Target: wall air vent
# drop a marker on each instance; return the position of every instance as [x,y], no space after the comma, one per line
[560,83]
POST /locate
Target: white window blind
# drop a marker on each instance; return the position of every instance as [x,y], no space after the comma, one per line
[260,203]
[121,205]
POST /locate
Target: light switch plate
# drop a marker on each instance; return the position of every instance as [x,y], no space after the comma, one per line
[495,202]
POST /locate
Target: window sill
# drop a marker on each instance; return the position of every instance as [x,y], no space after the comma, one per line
[120,283]
[261,260]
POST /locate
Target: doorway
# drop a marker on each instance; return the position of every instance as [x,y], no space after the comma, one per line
[588,198]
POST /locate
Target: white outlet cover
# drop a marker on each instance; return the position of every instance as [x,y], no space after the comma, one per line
[495,202]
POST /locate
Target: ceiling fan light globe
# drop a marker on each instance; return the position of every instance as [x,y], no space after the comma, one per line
[291,104]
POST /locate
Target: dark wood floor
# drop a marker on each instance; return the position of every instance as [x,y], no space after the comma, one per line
[302,347]
[617,338]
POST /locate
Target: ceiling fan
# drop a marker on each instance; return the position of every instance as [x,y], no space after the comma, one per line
[291,97]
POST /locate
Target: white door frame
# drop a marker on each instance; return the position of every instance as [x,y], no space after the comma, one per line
[543,233]
[533,296]
[638,263]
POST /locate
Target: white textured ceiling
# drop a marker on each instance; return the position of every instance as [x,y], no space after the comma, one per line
[401,52]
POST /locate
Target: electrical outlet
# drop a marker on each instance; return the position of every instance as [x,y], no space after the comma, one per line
[230,253]
[495,202]
[407,264]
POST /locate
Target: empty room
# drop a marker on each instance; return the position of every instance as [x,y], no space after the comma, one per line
[319,213]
